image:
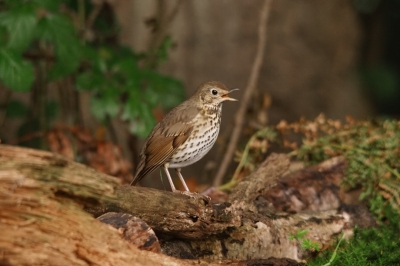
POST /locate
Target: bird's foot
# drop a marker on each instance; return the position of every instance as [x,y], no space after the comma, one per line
[195,195]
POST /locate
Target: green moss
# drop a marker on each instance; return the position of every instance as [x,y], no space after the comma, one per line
[374,246]
[371,149]
[372,152]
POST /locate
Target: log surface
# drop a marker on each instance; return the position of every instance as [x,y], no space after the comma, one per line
[43,221]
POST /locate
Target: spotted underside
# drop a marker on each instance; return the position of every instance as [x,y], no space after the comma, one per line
[200,141]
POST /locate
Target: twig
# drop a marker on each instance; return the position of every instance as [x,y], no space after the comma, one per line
[252,83]
[81,16]
[98,5]
[164,22]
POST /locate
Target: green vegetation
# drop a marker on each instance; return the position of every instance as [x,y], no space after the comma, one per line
[374,246]
[305,243]
[45,43]
[372,152]
[371,149]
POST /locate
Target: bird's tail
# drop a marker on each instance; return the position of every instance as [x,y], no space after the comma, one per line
[134,181]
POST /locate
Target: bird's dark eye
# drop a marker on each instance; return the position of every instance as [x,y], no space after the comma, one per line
[214,92]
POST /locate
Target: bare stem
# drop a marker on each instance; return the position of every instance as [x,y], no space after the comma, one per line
[98,5]
[251,85]
[164,23]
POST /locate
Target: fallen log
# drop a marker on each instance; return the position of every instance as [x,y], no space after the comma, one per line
[42,197]
[230,231]
[42,221]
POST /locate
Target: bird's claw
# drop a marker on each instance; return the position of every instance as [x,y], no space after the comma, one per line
[195,195]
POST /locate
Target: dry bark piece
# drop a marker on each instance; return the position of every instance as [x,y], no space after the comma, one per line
[264,178]
[315,188]
[217,196]
[133,230]
[177,248]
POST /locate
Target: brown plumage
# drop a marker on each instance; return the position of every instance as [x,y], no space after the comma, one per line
[185,134]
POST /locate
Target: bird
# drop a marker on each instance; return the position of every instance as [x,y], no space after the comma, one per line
[185,134]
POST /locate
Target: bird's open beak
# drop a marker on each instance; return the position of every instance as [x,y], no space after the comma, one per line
[227,98]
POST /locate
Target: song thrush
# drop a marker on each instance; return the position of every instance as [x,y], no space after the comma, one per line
[185,134]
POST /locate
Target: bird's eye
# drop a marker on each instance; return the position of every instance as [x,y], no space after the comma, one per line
[214,92]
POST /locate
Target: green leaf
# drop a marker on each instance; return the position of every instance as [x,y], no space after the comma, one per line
[15,73]
[16,109]
[106,104]
[13,3]
[90,81]
[51,110]
[139,114]
[170,91]
[59,31]
[162,52]
[90,54]
[3,36]
[148,117]
[127,66]
[142,126]
[130,110]
[138,127]
[20,23]
[51,5]
[68,59]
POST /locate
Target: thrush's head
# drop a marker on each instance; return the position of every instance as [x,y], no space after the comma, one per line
[211,94]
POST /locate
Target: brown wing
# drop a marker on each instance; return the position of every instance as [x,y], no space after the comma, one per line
[163,141]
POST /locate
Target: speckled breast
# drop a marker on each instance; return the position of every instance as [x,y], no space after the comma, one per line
[200,141]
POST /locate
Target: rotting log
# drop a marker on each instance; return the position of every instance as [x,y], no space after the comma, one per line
[175,214]
[263,232]
[192,216]
[230,231]
[42,219]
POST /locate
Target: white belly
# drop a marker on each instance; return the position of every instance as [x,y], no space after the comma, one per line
[196,146]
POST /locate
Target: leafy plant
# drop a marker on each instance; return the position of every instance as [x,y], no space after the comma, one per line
[305,243]
[47,41]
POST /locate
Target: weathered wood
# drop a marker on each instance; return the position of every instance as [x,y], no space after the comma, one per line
[253,234]
[315,188]
[271,237]
[176,214]
[260,181]
[192,216]
[133,230]
[42,219]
